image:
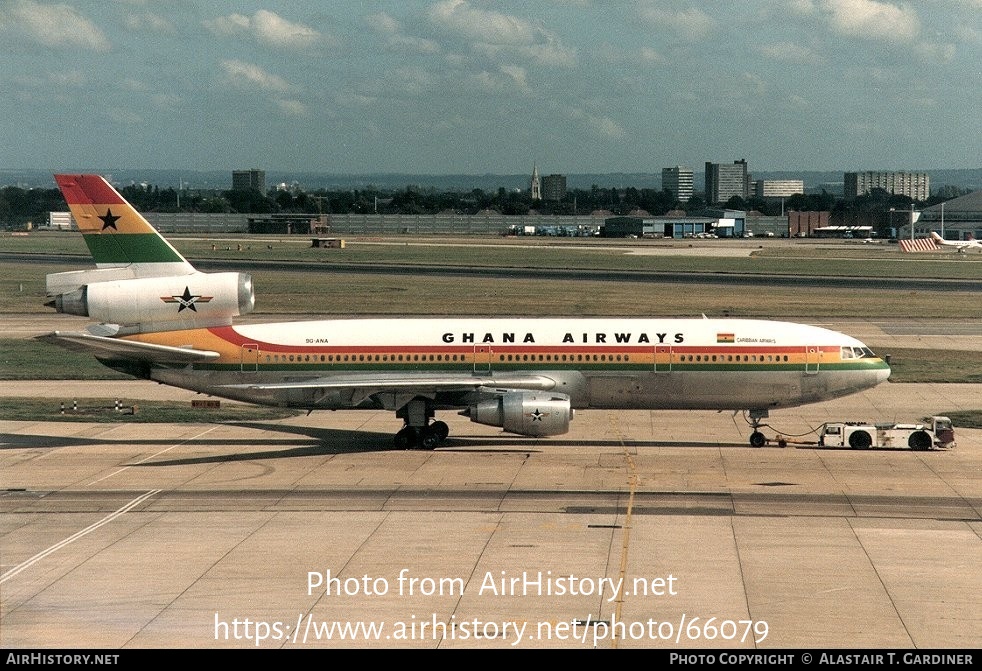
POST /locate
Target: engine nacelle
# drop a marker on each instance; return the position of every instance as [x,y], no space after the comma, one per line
[184,301]
[527,413]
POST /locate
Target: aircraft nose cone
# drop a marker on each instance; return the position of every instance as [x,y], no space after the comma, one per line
[882,373]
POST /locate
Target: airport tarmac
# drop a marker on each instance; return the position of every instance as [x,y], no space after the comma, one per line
[314,532]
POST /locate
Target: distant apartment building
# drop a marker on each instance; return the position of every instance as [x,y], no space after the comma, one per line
[244,180]
[778,188]
[724,180]
[554,187]
[916,185]
[678,180]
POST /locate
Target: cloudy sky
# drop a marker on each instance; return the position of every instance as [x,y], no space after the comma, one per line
[481,86]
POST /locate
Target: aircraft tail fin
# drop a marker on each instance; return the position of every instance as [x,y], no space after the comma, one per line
[141,282]
[115,233]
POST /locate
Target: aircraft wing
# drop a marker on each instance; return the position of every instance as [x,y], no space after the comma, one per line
[371,383]
[128,349]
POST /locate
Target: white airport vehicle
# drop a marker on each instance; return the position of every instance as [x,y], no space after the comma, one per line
[936,432]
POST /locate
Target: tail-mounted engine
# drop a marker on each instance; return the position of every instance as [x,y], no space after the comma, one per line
[162,303]
[527,413]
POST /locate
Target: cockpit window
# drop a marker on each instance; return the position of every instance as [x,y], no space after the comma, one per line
[857,353]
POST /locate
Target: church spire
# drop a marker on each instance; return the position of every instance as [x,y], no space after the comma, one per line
[535,186]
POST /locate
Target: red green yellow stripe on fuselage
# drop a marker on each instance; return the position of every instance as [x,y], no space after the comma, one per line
[234,349]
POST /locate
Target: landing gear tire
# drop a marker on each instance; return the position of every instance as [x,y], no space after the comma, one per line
[430,439]
[440,429]
[425,438]
[419,432]
[405,439]
[757,439]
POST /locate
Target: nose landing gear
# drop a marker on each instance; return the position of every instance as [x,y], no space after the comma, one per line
[757,439]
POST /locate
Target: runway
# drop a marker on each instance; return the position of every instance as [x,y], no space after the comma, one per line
[635,530]
[757,280]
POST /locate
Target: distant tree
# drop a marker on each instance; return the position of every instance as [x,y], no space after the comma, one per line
[215,205]
[810,202]
[658,202]
[249,201]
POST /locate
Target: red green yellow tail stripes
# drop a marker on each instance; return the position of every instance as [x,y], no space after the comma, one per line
[114,231]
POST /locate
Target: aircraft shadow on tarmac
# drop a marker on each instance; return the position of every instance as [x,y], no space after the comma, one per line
[304,441]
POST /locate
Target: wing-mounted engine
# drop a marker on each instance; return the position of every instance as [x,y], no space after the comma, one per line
[158,303]
[527,413]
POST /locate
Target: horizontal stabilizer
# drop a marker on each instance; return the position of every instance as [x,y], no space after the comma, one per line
[102,346]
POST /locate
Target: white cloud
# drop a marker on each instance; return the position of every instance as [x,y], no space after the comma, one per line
[59,26]
[805,7]
[601,125]
[409,80]
[227,25]
[649,55]
[482,25]
[691,24]
[293,108]
[788,52]
[277,31]
[149,22]
[495,34]
[392,31]
[252,76]
[166,101]
[517,75]
[872,19]
[937,53]
[124,116]
[266,27]
[383,23]
[509,78]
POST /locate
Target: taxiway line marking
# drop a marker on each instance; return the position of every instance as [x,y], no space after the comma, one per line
[78,534]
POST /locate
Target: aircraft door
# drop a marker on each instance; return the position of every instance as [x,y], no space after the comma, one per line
[482,358]
[249,357]
[813,359]
[663,358]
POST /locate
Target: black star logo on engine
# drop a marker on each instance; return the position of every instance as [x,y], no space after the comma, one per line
[186,300]
[109,220]
[537,416]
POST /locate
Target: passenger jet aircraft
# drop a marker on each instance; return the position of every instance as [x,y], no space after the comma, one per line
[162,320]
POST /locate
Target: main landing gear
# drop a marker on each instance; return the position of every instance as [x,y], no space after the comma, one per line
[757,439]
[425,437]
[419,432]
